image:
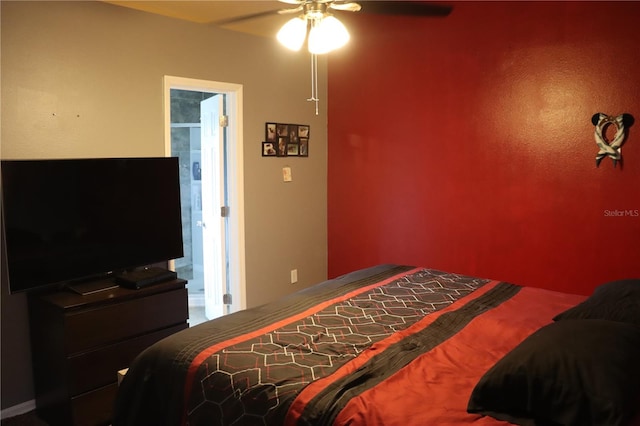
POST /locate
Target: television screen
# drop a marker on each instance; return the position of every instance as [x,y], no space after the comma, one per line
[69,220]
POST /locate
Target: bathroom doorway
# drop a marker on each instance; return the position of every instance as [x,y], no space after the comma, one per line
[204,132]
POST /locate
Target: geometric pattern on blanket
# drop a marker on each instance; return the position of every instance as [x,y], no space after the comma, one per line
[255,381]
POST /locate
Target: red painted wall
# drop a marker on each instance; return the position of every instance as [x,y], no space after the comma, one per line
[465,143]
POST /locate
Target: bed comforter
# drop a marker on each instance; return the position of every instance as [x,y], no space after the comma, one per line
[388,345]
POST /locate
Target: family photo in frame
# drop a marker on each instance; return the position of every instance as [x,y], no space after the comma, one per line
[286,140]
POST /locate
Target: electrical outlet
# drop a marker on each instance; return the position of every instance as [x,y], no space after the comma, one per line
[294,276]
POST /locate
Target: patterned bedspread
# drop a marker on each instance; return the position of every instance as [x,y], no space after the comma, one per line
[304,359]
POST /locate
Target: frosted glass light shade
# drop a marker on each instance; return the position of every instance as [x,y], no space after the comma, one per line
[328,35]
[293,33]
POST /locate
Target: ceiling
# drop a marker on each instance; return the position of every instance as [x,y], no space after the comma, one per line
[217,12]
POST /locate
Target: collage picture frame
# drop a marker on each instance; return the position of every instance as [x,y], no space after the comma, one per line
[286,140]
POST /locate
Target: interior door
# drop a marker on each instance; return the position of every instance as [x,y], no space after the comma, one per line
[213,195]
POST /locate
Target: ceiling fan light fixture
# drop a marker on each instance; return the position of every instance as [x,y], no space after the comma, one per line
[293,33]
[326,35]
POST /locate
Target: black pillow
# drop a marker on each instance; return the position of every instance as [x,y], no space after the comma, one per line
[614,301]
[573,372]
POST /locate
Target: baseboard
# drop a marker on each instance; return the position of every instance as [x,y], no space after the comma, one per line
[16,410]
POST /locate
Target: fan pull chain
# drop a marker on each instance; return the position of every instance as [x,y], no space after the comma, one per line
[314,81]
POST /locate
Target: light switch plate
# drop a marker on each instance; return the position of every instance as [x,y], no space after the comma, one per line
[286,174]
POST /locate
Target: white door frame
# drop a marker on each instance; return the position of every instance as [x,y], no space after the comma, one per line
[235,177]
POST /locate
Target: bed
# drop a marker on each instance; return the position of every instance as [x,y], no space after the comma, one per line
[399,345]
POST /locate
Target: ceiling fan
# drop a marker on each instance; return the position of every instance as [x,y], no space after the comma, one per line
[314,23]
[325,31]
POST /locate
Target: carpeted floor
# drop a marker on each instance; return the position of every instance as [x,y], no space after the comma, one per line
[28,419]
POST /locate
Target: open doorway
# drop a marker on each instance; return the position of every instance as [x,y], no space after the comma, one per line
[203,129]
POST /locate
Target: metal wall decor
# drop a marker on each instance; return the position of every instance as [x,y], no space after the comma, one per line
[286,140]
[610,148]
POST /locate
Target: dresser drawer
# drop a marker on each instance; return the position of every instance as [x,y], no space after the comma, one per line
[94,408]
[97,368]
[108,324]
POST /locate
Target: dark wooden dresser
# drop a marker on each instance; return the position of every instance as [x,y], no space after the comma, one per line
[80,342]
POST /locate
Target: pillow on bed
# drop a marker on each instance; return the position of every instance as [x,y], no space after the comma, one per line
[573,373]
[615,301]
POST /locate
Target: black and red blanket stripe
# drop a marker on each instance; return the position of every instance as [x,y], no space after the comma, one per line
[392,345]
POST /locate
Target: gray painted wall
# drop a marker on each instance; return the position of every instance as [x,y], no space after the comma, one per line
[84,79]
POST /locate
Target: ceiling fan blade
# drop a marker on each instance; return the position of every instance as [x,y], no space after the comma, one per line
[237,19]
[348,7]
[289,11]
[300,2]
[408,8]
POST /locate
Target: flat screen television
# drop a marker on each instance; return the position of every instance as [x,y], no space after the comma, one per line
[74,220]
